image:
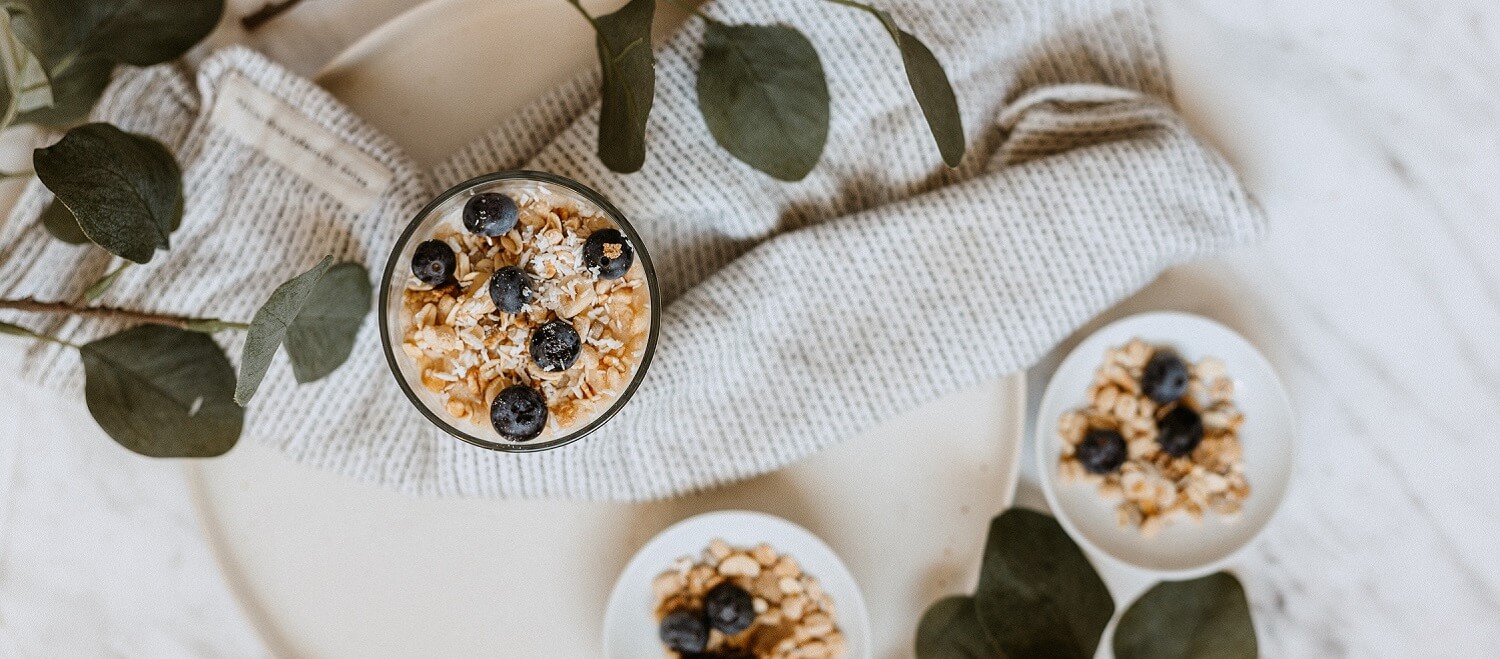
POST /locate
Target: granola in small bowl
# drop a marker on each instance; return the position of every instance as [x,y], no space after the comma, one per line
[1159,437]
[519,311]
[745,602]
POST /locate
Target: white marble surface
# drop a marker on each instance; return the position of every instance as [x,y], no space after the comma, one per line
[1370,130]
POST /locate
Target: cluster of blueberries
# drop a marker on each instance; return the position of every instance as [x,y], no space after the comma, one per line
[518,412]
[1178,432]
[726,607]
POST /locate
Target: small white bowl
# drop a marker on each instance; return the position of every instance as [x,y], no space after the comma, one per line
[1183,549]
[630,628]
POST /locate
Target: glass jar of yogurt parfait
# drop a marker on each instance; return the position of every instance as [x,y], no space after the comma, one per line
[519,311]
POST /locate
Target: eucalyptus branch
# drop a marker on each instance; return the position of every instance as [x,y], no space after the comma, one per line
[581,10]
[857,5]
[205,325]
[254,20]
[17,330]
[102,286]
[63,65]
[192,408]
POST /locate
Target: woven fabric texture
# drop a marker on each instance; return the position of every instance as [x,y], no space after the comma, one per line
[796,314]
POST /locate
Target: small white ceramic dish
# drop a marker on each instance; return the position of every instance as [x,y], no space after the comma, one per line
[1184,549]
[630,627]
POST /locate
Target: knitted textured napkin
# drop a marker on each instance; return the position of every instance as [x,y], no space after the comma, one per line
[796,314]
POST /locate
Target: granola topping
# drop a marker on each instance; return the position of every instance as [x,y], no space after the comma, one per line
[793,617]
[467,350]
[1151,487]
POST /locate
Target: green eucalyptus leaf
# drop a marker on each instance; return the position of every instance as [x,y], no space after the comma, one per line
[59,221]
[79,42]
[316,315]
[929,82]
[935,94]
[124,189]
[629,86]
[950,630]
[74,93]
[268,329]
[139,32]
[763,95]
[1038,596]
[163,392]
[322,336]
[26,86]
[1207,618]
[97,289]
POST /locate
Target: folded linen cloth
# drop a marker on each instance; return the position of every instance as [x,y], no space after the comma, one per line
[796,314]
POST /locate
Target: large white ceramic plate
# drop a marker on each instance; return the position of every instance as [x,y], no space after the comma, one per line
[1183,549]
[629,625]
[328,567]
[440,75]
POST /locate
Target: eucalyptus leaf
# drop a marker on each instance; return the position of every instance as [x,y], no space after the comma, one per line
[763,95]
[316,314]
[163,392]
[74,93]
[269,328]
[26,86]
[629,86]
[1038,596]
[59,221]
[125,190]
[322,336]
[139,32]
[79,42]
[929,82]
[950,630]
[935,95]
[1206,618]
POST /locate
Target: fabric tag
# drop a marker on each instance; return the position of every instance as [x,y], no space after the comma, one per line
[314,153]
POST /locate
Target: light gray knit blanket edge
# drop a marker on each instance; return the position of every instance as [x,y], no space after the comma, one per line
[797,314]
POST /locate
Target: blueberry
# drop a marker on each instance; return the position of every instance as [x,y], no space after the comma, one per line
[555,345]
[684,631]
[511,289]
[1102,450]
[433,263]
[729,608]
[490,214]
[1165,378]
[608,254]
[1179,431]
[518,413]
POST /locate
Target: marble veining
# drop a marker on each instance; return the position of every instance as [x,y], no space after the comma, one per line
[1369,130]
